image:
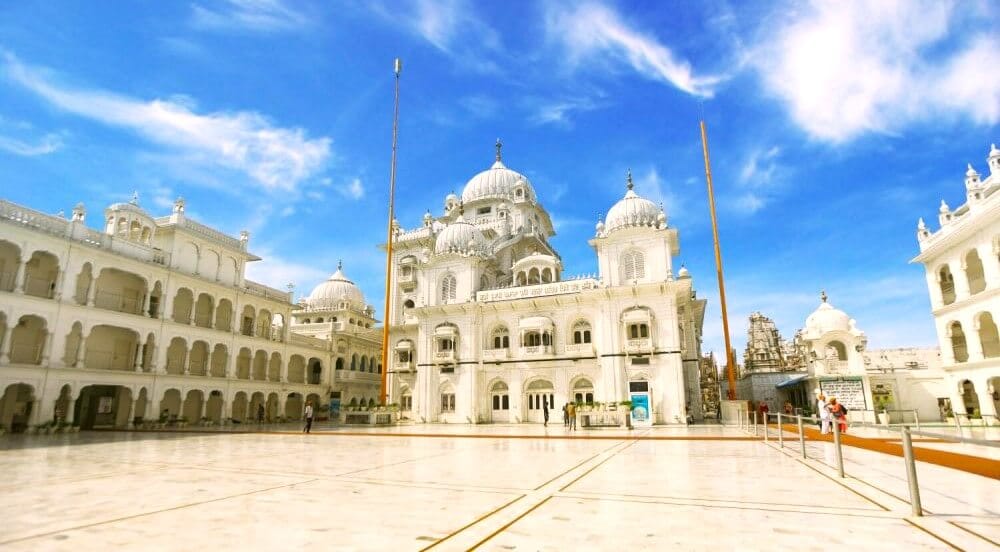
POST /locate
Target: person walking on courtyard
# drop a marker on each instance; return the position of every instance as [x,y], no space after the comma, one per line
[260,413]
[571,413]
[565,414]
[763,412]
[838,413]
[309,417]
[824,414]
[545,412]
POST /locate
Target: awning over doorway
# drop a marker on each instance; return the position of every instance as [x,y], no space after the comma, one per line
[792,382]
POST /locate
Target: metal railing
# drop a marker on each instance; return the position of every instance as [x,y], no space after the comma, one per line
[117,302]
[906,433]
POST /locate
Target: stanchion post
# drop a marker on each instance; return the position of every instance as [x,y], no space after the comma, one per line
[916,419]
[755,423]
[781,436]
[802,437]
[836,446]
[958,423]
[765,427]
[911,473]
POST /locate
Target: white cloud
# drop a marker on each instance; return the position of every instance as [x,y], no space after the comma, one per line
[849,68]
[451,26]
[479,106]
[760,166]
[48,144]
[277,158]
[759,180]
[278,272]
[651,186]
[558,112]
[252,15]
[352,189]
[593,32]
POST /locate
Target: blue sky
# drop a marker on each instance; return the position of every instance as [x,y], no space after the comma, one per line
[833,127]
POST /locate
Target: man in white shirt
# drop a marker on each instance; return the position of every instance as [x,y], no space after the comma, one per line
[309,417]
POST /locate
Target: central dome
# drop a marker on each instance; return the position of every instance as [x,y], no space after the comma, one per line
[335,290]
[633,210]
[827,319]
[460,237]
[497,182]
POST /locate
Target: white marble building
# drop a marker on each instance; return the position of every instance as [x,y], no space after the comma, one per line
[485,327]
[962,262]
[151,316]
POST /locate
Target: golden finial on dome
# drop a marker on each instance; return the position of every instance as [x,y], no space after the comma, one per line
[822,295]
[628,179]
[499,146]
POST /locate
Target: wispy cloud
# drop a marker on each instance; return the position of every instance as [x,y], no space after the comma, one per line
[479,106]
[276,158]
[592,32]
[278,272]
[650,185]
[758,180]
[352,189]
[558,112]
[247,15]
[848,68]
[49,143]
[451,26]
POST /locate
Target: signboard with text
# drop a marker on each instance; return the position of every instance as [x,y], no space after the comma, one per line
[541,290]
[849,391]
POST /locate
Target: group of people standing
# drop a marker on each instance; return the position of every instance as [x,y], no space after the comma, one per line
[830,412]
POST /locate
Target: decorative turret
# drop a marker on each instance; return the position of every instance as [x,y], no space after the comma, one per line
[450,202]
[600,225]
[944,213]
[994,160]
[244,239]
[128,221]
[683,272]
[428,219]
[79,213]
[971,178]
[922,231]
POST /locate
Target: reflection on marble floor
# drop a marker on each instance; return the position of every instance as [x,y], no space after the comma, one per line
[267,491]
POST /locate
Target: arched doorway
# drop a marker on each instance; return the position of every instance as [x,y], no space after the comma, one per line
[583,391]
[103,407]
[16,406]
[193,406]
[499,402]
[239,412]
[970,399]
[537,394]
[294,406]
[215,407]
[170,405]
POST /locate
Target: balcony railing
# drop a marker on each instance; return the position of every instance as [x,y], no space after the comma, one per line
[117,302]
[537,350]
[107,360]
[836,366]
[400,366]
[39,287]
[496,354]
[408,281]
[444,355]
[580,348]
[641,344]
[25,353]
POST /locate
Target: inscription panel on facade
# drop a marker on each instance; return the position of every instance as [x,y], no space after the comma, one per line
[849,392]
[540,290]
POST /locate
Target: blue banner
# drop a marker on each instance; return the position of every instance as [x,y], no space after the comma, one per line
[640,407]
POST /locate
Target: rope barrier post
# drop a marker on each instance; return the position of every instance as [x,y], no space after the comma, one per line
[836,446]
[911,473]
[916,419]
[755,423]
[958,423]
[765,428]
[802,437]
[781,437]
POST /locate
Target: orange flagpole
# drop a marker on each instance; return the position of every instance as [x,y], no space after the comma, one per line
[730,360]
[397,66]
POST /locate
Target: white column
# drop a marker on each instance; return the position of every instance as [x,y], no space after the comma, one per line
[46,348]
[961,280]
[8,336]
[81,351]
[991,270]
[92,291]
[21,275]
[187,360]
[972,342]
[139,353]
[986,406]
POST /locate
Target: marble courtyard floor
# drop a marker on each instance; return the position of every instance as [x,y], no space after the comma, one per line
[502,487]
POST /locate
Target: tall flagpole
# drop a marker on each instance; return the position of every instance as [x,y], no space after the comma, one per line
[397,67]
[730,361]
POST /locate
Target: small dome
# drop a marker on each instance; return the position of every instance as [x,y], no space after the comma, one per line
[944,207]
[683,272]
[971,172]
[460,237]
[497,182]
[336,289]
[994,152]
[827,319]
[632,211]
[132,206]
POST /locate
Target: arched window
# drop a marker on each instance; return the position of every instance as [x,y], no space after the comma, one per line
[633,265]
[988,336]
[638,331]
[947,282]
[501,338]
[408,304]
[449,288]
[974,272]
[340,363]
[484,282]
[958,345]
[581,332]
[354,361]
